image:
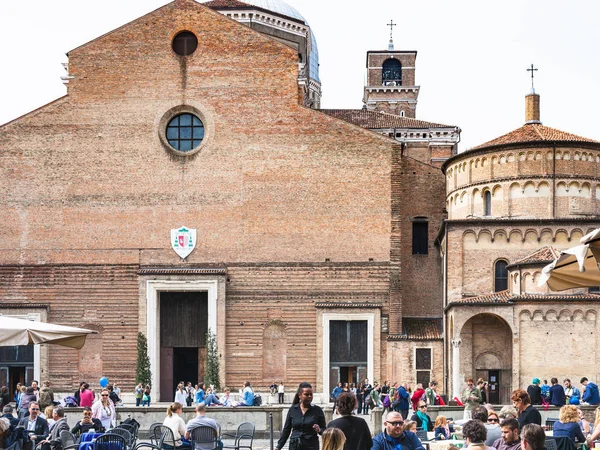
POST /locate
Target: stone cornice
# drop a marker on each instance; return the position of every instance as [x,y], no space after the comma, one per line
[557,178]
[363,305]
[182,271]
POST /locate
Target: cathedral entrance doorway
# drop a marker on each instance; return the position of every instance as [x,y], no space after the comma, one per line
[486,352]
[348,356]
[183,327]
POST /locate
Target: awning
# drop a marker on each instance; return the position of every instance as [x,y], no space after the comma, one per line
[575,267]
[15,331]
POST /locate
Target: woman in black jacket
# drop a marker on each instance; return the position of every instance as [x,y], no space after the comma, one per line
[304,422]
[422,418]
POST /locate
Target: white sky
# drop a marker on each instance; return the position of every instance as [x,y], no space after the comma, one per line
[471,63]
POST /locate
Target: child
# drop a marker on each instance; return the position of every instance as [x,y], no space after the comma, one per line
[146,397]
[333,439]
[442,430]
[410,425]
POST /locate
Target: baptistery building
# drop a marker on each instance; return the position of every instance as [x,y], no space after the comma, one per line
[513,203]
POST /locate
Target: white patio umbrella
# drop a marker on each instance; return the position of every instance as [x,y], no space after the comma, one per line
[576,266]
[15,331]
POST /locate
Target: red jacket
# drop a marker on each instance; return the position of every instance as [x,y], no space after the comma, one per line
[416,397]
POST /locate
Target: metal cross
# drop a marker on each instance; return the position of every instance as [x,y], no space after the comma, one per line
[391,25]
[532,70]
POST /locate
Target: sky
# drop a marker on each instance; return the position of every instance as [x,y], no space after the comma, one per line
[471,66]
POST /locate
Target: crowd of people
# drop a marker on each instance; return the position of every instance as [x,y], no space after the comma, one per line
[36,419]
[39,419]
[396,397]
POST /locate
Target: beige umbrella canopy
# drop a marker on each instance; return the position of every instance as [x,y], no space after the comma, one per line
[15,331]
[575,267]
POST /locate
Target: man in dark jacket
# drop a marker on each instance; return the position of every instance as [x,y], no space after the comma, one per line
[7,413]
[60,424]
[36,427]
[393,435]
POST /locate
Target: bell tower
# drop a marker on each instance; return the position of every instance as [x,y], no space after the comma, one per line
[391,80]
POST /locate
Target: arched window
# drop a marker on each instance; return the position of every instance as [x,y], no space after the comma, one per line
[500,276]
[392,72]
[487,203]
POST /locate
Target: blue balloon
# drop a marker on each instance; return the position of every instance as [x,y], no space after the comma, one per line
[103,382]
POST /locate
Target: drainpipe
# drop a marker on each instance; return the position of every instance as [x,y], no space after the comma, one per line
[445,342]
[554,180]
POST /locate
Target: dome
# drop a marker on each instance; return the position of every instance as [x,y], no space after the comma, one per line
[277,6]
[282,8]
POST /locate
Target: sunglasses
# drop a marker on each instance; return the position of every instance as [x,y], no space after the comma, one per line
[396,424]
[104,395]
[493,420]
[423,407]
[34,409]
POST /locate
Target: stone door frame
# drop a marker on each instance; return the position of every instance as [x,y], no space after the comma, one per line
[153,290]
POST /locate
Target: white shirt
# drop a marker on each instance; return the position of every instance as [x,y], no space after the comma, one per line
[177,425]
[280,389]
[31,424]
[181,397]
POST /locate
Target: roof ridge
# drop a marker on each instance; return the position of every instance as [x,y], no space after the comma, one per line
[535,128]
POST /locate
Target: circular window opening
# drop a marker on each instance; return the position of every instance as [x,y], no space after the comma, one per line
[185,132]
[185,43]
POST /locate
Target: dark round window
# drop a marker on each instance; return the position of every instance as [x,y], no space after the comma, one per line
[185,43]
[185,132]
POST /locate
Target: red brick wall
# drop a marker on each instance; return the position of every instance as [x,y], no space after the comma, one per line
[424,196]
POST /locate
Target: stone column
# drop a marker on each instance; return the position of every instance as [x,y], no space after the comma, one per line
[456,384]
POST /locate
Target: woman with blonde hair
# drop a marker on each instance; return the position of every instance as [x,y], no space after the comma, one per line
[180,394]
[177,425]
[333,439]
[48,415]
[568,424]
[442,430]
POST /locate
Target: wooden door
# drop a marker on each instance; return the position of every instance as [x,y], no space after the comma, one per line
[166,373]
[493,380]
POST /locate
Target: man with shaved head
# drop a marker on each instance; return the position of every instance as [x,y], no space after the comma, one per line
[393,437]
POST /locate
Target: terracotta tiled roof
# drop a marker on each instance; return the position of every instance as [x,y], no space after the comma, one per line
[419,329]
[534,132]
[504,297]
[216,4]
[543,255]
[495,297]
[376,120]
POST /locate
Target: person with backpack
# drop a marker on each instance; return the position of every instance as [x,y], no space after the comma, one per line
[401,398]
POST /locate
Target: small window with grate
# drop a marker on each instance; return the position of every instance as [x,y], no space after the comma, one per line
[185,132]
[420,237]
[423,365]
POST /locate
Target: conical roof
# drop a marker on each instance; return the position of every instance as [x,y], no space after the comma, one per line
[534,132]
